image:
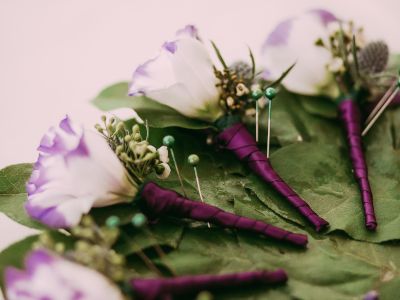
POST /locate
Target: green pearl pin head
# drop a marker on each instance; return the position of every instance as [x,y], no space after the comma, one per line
[168,140]
[193,160]
[139,220]
[112,221]
[256,94]
[270,93]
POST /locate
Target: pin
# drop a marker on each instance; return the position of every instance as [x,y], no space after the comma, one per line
[169,141]
[194,160]
[147,130]
[270,93]
[381,106]
[256,95]
[139,221]
[114,222]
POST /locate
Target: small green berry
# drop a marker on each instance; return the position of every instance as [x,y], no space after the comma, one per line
[135,129]
[120,126]
[168,140]
[193,159]
[112,221]
[270,93]
[139,220]
[256,94]
[204,295]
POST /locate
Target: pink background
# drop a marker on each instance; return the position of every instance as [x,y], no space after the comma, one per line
[55,55]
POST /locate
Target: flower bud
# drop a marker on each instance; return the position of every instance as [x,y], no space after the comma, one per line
[241,90]
[120,126]
[119,149]
[135,129]
[99,128]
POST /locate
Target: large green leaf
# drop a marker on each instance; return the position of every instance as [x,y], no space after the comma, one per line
[158,115]
[13,194]
[334,268]
[328,185]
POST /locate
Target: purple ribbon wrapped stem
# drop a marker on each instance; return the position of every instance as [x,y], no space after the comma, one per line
[349,114]
[157,201]
[171,288]
[238,140]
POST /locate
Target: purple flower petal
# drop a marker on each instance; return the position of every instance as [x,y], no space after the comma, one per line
[325,16]
[47,215]
[45,274]
[170,46]
[32,261]
[188,31]
[280,35]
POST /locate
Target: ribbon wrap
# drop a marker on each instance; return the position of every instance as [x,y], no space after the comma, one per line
[157,201]
[349,114]
[238,140]
[169,288]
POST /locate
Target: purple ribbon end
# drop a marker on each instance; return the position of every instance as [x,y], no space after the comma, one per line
[371,226]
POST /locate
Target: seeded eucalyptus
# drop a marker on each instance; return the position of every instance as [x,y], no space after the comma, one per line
[139,157]
[92,247]
[357,66]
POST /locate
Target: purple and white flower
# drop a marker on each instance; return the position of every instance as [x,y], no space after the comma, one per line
[76,170]
[293,40]
[50,277]
[181,77]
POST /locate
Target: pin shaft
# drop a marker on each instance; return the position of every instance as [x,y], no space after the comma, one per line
[379,112]
[199,189]
[147,130]
[177,171]
[257,109]
[381,102]
[269,125]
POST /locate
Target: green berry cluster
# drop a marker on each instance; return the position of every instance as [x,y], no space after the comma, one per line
[139,157]
[92,247]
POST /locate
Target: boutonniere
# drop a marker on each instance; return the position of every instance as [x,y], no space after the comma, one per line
[335,59]
[184,77]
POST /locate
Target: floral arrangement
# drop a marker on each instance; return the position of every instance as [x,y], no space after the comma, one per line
[206,192]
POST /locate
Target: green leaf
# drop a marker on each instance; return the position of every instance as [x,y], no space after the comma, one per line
[337,268]
[13,195]
[328,185]
[283,76]
[14,255]
[164,233]
[158,115]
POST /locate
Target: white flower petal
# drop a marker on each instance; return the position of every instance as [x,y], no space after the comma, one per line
[163,154]
[166,172]
[294,41]
[48,276]
[182,77]
[67,182]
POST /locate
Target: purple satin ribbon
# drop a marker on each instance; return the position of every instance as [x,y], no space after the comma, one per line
[349,113]
[238,140]
[157,201]
[169,288]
